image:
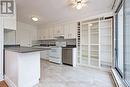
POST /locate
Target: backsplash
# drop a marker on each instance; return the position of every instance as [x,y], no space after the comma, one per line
[53,42]
[71,42]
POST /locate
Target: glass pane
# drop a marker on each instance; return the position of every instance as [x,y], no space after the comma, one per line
[84,44]
[120,40]
[94,59]
[127,41]
[85,54]
[94,33]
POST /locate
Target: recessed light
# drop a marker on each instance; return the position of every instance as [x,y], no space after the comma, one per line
[35,19]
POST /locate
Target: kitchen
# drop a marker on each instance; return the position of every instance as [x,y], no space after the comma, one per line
[70,44]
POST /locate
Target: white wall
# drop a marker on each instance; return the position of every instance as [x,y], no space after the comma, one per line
[25,34]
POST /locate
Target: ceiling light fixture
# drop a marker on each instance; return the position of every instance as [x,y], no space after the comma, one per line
[79,4]
[35,19]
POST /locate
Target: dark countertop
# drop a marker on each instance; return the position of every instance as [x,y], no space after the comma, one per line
[21,49]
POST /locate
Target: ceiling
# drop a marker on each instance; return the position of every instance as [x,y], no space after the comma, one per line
[51,11]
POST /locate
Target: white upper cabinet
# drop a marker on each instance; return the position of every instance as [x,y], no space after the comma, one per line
[48,33]
[10,20]
[51,33]
[70,31]
[39,34]
[25,34]
[58,30]
[44,34]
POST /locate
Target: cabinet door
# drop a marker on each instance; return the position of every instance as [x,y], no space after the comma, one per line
[55,31]
[10,22]
[47,54]
[50,33]
[43,55]
[73,30]
[70,31]
[58,30]
[39,34]
[25,37]
[49,36]
[61,29]
[66,31]
[44,34]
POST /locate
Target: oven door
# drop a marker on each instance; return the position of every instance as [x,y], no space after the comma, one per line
[56,55]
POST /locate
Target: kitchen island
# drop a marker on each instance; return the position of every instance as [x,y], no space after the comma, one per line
[22,66]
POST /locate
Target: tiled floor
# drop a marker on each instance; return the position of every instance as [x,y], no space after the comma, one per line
[53,75]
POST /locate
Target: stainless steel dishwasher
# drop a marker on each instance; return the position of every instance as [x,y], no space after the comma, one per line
[67,56]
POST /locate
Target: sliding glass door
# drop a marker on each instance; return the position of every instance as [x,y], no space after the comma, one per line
[123,41]
[127,41]
[120,41]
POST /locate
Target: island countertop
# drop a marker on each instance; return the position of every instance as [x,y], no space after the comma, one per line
[21,49]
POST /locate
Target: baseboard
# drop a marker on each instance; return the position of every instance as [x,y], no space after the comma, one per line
[9,82]
[117,79]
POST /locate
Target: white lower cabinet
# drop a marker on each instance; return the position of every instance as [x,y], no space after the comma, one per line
[45,55]
[22,68]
